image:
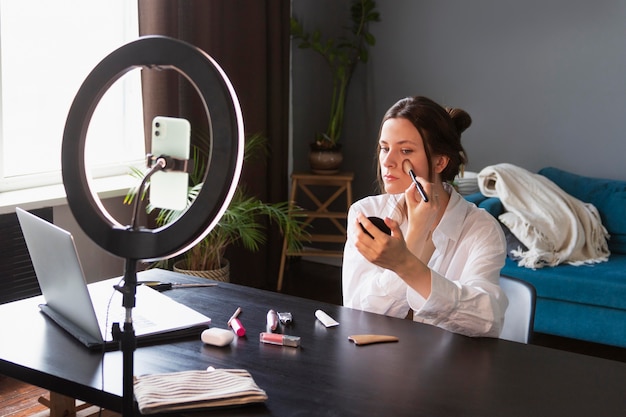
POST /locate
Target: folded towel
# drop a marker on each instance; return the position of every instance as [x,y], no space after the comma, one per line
[554,226]
[189,390]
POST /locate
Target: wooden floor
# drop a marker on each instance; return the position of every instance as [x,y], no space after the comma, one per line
[18,399]
[304,279]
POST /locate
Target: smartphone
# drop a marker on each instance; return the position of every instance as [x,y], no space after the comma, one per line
[171,136]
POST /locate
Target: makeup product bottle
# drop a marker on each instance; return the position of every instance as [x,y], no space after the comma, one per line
[279,339]
[272,321]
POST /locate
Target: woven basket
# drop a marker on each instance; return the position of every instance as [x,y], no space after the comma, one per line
[222,274]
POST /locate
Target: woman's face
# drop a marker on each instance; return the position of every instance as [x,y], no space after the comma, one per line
[399,141]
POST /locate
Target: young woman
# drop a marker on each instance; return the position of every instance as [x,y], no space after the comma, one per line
[441,264]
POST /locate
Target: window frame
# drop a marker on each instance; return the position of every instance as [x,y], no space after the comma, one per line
[17,184]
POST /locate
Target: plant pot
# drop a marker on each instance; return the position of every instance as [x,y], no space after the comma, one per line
[325,161]
[222,274]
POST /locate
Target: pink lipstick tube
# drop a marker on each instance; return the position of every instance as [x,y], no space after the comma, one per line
[279,339]
[237,327]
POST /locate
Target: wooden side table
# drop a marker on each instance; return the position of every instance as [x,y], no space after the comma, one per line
[312,185]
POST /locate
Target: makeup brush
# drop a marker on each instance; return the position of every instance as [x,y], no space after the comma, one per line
[408,168]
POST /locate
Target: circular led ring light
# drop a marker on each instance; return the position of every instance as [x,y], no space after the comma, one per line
[223,167]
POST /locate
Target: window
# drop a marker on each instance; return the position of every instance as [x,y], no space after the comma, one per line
[47,49]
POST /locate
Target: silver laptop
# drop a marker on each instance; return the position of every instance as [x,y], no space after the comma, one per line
[88,312]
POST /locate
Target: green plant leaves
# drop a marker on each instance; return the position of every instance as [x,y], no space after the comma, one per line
[342,55]
[242,221]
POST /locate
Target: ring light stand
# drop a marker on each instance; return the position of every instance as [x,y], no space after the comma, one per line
[222,175]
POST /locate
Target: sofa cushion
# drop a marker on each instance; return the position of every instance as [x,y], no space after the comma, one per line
[602,284]
[581,321]
[475,198]
[492,204]
[608,196]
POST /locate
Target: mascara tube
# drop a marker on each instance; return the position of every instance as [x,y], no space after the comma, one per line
[279,339]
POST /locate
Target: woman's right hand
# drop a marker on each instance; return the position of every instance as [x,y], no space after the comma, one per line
[421,215]
[382,249]
[391,252]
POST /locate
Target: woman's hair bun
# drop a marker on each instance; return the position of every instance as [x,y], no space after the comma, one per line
[460,118]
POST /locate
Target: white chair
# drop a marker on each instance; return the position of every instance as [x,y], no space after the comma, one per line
[520,314]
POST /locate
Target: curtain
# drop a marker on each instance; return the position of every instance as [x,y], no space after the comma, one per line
[249,39]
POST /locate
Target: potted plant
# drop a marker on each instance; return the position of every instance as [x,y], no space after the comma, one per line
[342,56]
[240,222]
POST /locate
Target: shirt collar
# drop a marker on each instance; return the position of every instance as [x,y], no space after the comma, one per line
[451,223]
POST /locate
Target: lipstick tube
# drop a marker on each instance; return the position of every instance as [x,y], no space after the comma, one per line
[237,327]
[272,321]
[279,339]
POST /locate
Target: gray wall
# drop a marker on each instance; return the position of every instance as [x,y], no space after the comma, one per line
[543,81]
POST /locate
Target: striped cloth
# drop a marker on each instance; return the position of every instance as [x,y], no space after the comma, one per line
[189,390]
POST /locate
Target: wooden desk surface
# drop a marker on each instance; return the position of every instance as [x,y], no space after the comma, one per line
[429,372]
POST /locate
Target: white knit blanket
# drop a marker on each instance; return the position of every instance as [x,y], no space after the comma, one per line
[554,226]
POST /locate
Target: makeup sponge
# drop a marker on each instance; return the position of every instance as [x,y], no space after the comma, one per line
[217,337]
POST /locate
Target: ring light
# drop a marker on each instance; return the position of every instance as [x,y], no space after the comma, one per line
[224,164]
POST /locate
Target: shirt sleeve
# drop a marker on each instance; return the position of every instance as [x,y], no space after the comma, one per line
[469,300]
[368,287]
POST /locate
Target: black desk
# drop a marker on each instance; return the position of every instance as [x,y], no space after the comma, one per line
[430,372]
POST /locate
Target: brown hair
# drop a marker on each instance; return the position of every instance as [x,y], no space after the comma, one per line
[440,129]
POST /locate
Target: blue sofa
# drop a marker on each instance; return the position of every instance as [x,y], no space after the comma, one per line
[580,302]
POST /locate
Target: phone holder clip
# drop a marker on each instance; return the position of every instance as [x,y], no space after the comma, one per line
[170,163]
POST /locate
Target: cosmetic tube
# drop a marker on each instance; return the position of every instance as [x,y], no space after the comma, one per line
[272,321]
[237,327]
[279,339]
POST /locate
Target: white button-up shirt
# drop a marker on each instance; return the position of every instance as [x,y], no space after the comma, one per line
[470,250]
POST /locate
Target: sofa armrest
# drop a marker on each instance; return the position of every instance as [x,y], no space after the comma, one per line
[475,198]
[492,204]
